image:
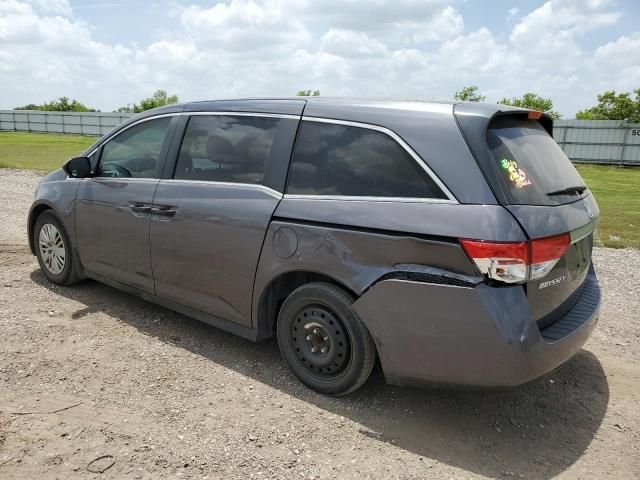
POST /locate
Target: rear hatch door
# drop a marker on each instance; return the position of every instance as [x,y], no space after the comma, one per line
[536,182]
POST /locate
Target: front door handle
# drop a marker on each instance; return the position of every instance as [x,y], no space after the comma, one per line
[166,211]
[139,208]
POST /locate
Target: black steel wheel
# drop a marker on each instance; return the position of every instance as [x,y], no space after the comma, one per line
[323,340]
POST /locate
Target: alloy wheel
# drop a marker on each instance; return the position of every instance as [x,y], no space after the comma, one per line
[52,249]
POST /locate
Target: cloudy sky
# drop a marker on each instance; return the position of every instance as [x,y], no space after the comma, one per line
[108,53]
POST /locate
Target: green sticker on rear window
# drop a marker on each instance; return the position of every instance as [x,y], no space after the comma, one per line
[517,176]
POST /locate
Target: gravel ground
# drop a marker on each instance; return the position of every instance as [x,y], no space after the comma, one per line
[90,373]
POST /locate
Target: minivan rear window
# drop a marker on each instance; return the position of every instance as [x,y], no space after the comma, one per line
[532,167]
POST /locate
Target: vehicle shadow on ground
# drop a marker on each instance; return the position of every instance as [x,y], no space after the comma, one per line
[540,429]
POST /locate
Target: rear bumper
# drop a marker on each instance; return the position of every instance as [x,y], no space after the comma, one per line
[482,336]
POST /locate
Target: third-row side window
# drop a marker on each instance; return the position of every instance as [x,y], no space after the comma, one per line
[333,159]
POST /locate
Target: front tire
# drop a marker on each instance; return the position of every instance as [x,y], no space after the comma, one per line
[53,250]
[323,341]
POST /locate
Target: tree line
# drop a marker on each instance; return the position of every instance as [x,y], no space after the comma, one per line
[610,106]
[63,104]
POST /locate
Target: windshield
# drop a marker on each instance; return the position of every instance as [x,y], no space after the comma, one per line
[531,164]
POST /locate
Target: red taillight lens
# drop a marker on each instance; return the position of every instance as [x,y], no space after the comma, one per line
[534,114]
[549,248]
[545,253]
[506,262]
[516,262]
[482,249]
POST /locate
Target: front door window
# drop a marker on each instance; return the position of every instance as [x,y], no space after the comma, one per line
[135,153]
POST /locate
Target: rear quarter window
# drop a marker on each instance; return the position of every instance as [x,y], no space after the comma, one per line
[335,159]
[530,163]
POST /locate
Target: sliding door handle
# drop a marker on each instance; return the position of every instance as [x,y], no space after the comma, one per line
[164,211]
[139,208]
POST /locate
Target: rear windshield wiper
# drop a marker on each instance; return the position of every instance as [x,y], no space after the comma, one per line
[566,191]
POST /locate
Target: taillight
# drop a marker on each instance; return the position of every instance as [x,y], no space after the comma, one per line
[545,253]
[516,262]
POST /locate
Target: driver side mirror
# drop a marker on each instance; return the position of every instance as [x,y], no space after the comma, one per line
[78,167]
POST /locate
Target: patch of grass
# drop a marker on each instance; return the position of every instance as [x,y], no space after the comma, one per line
[617,191]
[36,151]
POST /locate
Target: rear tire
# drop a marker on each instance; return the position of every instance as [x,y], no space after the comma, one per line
[323,341]
[53,250]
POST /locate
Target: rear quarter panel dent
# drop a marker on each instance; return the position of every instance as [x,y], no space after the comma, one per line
[354,259]
[446,334]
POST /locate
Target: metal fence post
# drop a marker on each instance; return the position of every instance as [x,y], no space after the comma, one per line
[564,138]
[625,137]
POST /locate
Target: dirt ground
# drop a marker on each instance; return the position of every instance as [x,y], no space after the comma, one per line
[88,373]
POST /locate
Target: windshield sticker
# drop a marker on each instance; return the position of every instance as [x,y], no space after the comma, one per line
[517,176]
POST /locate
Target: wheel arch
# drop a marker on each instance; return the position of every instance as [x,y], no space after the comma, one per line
[279,289]
[34,213]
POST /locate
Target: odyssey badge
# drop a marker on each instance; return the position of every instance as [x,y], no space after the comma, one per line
[550,283]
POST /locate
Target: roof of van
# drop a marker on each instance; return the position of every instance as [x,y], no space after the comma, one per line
[338,107]
[340,100]
[372,102]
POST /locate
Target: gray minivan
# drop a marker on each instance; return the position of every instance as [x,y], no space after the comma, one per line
[450,240]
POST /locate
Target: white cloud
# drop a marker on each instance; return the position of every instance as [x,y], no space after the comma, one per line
[476,52]
[53,7]
[405,48]
[13,7]
[443,25]
[367,16]
[350,44]
[550,34]
[622,57]
[622,53]
[562,19]
[243,25]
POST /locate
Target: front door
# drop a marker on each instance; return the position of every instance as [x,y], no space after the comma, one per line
[113,208]
[209,221]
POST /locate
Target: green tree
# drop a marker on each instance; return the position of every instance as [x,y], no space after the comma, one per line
[533,101]
[614,107]
[31,106]
[308,93]
[62,104]
[469,94]
[160,98]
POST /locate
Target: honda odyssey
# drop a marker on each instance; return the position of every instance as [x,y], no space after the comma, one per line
[450,240]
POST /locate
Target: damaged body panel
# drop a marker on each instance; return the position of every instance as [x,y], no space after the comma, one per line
[353,258]
[479,336]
